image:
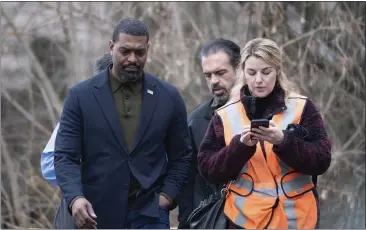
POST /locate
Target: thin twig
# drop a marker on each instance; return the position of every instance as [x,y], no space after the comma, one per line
[333,94]
[305,35]
[14,185]
[25,113]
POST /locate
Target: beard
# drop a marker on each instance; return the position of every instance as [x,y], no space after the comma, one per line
[131,76]
[220,100]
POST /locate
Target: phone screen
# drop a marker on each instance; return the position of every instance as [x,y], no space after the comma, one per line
[260,122]
[257,123]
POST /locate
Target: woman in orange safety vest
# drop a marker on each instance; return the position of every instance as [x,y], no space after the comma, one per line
[271,172]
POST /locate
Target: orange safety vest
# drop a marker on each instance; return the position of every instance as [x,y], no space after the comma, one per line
[268,193]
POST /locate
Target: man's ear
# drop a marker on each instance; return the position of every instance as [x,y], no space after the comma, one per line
[147,48]
[111,45]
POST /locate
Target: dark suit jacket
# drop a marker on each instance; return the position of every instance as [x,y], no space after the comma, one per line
[91,158]
[197,188]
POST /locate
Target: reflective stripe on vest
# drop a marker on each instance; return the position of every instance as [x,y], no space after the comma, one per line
[268,193]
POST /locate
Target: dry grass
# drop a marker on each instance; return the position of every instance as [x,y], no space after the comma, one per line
[324,54]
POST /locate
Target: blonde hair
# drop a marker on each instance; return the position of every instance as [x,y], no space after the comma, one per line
[269,51]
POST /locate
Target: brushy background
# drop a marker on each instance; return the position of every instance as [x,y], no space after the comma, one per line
[46,47]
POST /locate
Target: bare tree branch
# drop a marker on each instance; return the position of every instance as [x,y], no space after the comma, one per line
[48,86]
[25,113]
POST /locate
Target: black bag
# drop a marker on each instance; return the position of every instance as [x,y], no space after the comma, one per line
[210,213]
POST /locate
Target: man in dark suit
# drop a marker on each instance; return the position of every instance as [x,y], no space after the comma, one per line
[122,150]
[220,59]
[63,219]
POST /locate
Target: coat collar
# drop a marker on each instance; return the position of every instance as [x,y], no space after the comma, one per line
[273,103]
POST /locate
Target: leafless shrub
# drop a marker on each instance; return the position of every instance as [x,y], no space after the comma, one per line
[46,47]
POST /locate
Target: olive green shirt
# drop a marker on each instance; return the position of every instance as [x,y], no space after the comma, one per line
[128,100]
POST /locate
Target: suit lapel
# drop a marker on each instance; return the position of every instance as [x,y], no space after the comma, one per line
[103,94]
[150,95]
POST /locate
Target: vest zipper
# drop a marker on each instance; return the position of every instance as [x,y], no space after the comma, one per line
[263,150]
[273,208]
[275,205]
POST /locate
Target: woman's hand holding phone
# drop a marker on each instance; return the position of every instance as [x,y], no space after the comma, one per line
[272,134]
[247,137]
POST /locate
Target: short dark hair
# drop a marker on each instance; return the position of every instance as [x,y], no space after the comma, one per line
[220,44]
[103,62]
[130,26]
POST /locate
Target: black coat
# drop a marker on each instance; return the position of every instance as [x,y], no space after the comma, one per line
[197,188]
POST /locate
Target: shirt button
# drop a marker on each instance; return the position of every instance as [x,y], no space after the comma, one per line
[126,97]
[128,109]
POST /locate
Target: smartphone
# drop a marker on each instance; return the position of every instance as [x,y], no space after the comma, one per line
[259,122]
